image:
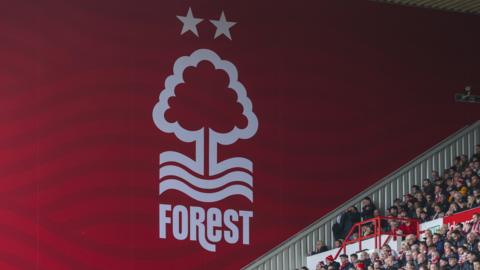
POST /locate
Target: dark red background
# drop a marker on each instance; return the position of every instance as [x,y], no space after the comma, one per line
[345,92]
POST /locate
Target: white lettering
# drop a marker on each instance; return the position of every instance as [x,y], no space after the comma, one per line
[207,226]
[164,219]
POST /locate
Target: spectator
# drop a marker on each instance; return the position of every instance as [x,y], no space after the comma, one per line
[390,263]
[476,156]
[319,248]
[420,261]
[365,259]
[353,258]
[438,242]
[344,263]
[457,238]
[367,208]
[471,242]
[452,262]
[428,187]
[338,243]
[448,249]
[330,262]
[475,223]
[473,183]
[471,202]
[438,212]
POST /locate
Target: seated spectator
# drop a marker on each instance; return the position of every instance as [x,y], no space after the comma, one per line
[438,212]
[365,259]
[452,262]
[393,211]
[408,227]
[471,258]
[338,243]
[434,257]
[367,230]
[319,248]
[359,265]
[471,202]
[344,263]
[421,260]
[390,263]
[354,258]
[330,262]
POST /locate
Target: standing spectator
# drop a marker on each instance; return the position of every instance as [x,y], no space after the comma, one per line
[438,242]
[476,156]
[428,187]
[471,242]
[367,208]
[475,223]
[457,238]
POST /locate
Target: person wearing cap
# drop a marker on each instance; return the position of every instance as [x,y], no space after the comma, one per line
[331,262]
[359,265]
[344,263]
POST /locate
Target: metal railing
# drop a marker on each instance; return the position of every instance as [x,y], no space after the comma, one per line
[292,253]
[377,232]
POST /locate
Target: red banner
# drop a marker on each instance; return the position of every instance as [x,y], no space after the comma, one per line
[461,217]
[200,134]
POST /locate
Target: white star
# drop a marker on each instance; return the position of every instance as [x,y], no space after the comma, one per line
[223,26]
[189,22]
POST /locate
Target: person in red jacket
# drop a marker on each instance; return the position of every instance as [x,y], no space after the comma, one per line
[408,227]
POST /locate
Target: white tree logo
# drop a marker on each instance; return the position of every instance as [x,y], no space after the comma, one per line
[236,166]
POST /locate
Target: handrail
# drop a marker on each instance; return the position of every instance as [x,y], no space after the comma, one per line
[377,232]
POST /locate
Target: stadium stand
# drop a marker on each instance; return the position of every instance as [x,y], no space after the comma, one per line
[455,245]
[414,219]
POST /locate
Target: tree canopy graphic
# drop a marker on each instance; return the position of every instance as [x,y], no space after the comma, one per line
[204,99]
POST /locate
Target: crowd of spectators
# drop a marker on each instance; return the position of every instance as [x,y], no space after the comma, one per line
[455,248]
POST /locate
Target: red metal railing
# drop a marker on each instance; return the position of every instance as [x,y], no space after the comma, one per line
[377,232]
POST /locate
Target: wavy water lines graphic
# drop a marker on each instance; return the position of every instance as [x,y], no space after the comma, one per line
[233,182]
